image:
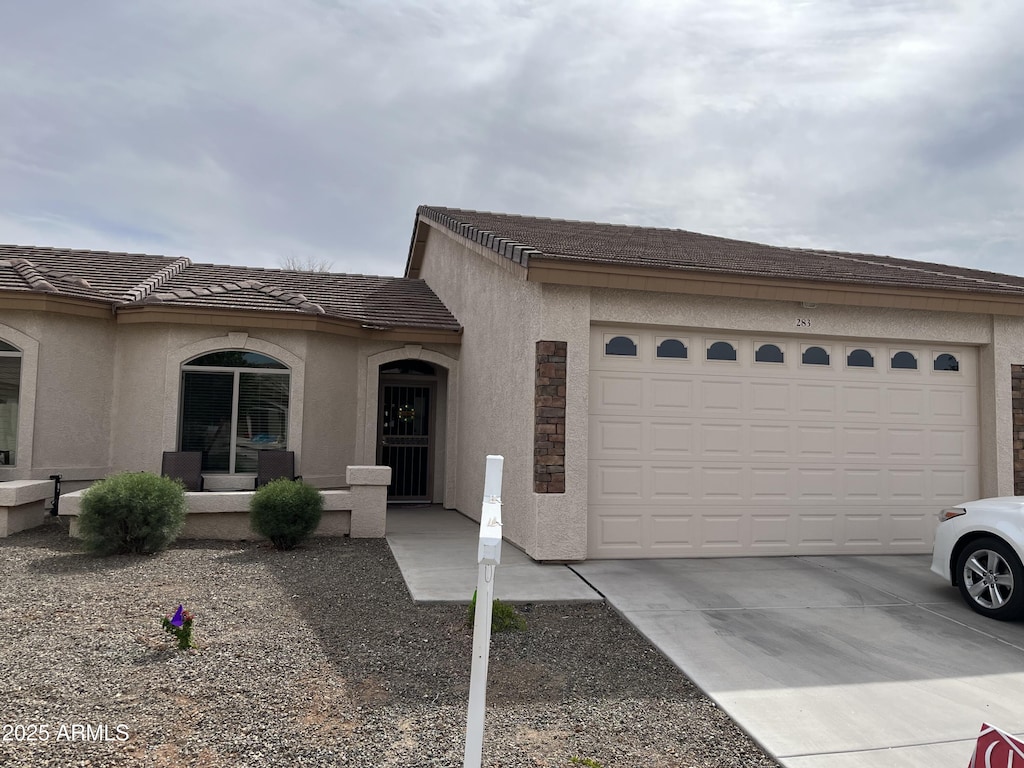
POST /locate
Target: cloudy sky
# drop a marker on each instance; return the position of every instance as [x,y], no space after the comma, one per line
[248,132]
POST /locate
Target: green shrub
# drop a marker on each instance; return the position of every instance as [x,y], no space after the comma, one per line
[286,511]
[504,617]
[132,513]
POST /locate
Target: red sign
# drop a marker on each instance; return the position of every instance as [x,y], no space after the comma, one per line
[996,749]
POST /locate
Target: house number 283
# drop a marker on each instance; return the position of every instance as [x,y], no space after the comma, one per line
[803,322]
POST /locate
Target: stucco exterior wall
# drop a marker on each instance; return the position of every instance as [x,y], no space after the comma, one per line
[501,315]
[73,363]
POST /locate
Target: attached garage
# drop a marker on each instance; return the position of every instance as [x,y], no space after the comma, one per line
[663,393]
[712,444]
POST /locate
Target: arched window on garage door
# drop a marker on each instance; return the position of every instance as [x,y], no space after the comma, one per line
[815,356]
[904,361]
[672,348]
[621,346]
[769,353]
[721,350]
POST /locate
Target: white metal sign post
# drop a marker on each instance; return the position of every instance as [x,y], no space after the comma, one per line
[488,555]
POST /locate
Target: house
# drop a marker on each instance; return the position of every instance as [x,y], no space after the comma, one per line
[655,393]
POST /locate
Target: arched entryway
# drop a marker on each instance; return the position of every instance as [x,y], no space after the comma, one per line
[408,427]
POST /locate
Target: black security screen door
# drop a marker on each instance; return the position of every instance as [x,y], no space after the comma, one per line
[405,440]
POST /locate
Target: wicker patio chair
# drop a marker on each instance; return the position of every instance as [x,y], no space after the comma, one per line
[273,465]
[186,466]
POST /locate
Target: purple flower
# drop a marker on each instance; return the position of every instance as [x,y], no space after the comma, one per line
[178,620]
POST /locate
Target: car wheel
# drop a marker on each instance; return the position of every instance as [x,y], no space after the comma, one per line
[992,579]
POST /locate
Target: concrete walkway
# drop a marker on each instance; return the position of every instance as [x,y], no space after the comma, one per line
[436,550]
[828,662]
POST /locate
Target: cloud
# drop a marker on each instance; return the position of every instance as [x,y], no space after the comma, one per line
[246,132]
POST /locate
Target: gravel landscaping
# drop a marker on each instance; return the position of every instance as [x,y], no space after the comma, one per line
[318,657]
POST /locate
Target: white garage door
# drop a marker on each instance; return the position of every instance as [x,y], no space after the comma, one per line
[710,445]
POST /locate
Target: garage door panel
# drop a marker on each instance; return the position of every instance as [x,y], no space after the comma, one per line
[698,458]
[671,439]
[906,402]
[722,531]
[672,483]
[954,485]
[673,533]
[769,399]
[815,399]
[771,531]
[671,396]
[817,484]
[863,443]
[771,484]
[619,437]
[860,402]
[721,440]
[617,481]
[719,397]
[949,403]
[864,530]
[769,441]
[953,445]
[814,441]
[907,443]
[908,484]
[617,391]
[718,483]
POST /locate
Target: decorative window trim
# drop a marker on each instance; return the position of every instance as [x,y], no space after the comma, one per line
[826,348]
[29,349]
[894,353]
[870,351]
[687,348]
[780,347]
[957,358]
[611,337]
[712,342]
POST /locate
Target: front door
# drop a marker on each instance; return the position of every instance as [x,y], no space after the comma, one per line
[404,443]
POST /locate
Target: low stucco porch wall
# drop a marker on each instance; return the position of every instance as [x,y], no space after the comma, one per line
[359,511]
[23,504]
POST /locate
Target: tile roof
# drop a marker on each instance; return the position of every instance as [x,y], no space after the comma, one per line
[133,280]
[525,238]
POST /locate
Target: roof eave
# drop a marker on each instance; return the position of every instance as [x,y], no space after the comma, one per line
[600,275]
[38,301]
[300,321]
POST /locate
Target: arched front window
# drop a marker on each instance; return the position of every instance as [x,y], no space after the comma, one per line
[946,362]
[233,404]
[10,391]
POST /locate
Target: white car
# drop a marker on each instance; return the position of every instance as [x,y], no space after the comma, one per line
[979,547]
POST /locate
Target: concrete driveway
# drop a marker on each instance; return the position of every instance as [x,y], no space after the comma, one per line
[830,662]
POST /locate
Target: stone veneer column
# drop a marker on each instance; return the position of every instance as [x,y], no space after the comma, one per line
[1017,388]
[549,418]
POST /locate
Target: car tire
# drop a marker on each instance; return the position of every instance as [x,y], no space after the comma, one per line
[991,579]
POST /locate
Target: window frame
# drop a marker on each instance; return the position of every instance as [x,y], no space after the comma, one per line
[610,337]
[893,351]
[187,367]
[712,341]
[782,347]
[9,456]
[826,348]
[687,348]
